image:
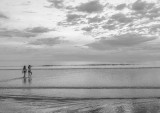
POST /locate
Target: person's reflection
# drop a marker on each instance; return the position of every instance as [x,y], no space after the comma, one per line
[30,80]
[27,80]
[24,80]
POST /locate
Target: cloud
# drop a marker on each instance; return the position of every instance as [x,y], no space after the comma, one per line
[155,28]
[90,7]
[38,30]
[109,27]
[47,41]
[15,33]
[153,13]
[119,41]
[143,9]
[95,19]
[28,32]
[3,16]
[120,7]
[120,17]
[56,3]
[140,5]
[72,17]
[87,29]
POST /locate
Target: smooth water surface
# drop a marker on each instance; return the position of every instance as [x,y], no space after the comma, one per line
[86,79]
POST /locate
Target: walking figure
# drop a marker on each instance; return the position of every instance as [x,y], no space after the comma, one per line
[24,71]
[29,71]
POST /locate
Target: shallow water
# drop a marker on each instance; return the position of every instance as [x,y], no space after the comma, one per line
[81,91]
[84,77]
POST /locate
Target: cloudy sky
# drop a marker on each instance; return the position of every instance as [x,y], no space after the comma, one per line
[109,31]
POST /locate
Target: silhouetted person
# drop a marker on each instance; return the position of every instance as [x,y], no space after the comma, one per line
[29,71]
[24,71]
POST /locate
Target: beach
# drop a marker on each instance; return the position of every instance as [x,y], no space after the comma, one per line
[80,90]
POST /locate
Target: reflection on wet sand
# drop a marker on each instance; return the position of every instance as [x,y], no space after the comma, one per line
[27,80]
[24,80]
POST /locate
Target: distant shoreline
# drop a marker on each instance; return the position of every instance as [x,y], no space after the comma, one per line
[61,68]
[68,87]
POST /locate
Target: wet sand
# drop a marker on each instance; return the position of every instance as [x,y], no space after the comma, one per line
[80,106]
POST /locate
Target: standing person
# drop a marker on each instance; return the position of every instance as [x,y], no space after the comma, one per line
[24,71]
[29,71]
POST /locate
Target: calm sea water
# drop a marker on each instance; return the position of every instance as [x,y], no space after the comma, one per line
[81,90]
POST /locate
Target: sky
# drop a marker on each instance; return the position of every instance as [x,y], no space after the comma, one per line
[45,32]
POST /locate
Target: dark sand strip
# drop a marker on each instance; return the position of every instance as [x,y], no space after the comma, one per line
[24,97]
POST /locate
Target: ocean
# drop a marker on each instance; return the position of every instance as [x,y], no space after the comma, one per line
[102,88]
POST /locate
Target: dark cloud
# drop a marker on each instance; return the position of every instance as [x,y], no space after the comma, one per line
[95,19]
[140,5]
[29,32]
[3,16]
[153,13]
[155,28]
[56,3]
[87,29]
[109,27]
[110,21]
[38,30]
[154,10]
[121,6]
[146,9]
[72,17]
[120,17]
[15,33]
[118,41]
[47,41]
[90,7]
